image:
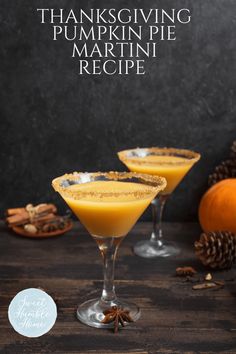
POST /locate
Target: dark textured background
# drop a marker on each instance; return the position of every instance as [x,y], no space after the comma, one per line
[53,120]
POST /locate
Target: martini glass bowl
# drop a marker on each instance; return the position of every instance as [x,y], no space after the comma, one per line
[108,205]
[171,163]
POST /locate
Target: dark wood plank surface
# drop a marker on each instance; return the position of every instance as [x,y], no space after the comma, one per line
[175,318]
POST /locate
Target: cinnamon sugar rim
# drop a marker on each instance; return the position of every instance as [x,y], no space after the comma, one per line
[189,156]
[153,184]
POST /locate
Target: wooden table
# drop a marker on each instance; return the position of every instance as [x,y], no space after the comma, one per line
[175,318]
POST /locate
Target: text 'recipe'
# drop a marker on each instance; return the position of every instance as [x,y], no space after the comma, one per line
[112,41]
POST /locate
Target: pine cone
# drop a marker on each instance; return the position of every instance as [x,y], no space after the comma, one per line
[227,169]
[216,249]
[233,151]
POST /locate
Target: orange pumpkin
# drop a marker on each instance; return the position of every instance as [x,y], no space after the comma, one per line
[217,209]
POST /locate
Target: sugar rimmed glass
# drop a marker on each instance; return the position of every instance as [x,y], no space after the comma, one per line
[108,205]
[171,163]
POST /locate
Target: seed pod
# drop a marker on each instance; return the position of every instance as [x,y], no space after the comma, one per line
[32,229]
[208,277]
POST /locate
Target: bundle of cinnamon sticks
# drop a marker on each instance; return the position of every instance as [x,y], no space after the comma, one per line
[41,217]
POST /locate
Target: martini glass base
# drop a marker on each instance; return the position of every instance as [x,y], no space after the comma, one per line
[152,249]
[91,312]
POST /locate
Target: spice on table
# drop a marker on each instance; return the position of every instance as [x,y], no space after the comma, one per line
[208,277]
[217,284]
[38,219]
[117,315]
[32,229]
[183,271]
[39,213]
[204,286]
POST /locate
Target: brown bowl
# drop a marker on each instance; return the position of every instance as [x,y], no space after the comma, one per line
[21,231]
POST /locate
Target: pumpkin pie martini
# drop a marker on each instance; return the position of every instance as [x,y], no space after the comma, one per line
[108,205]
[173,165]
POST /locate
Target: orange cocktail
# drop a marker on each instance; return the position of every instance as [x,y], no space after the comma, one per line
[173,168]
[110,208]
[108,205]
[172,164]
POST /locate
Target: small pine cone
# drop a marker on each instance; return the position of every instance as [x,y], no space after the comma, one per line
[230,164]
[216,249]
[221,172]
[227,169]
[233,151]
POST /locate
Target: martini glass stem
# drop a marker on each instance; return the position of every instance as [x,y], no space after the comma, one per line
[158,205]
[108,247]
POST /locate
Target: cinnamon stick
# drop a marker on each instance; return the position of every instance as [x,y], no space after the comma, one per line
[38,213]
[45,208]
[14,211]
[18,219]
[46,218]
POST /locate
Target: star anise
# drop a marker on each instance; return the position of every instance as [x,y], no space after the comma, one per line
[183,271]
[117,315]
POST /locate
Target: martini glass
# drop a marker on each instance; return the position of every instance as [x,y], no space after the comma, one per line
[108,205]
[173,164]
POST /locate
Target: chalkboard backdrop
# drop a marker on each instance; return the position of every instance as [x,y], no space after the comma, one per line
[54,120]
